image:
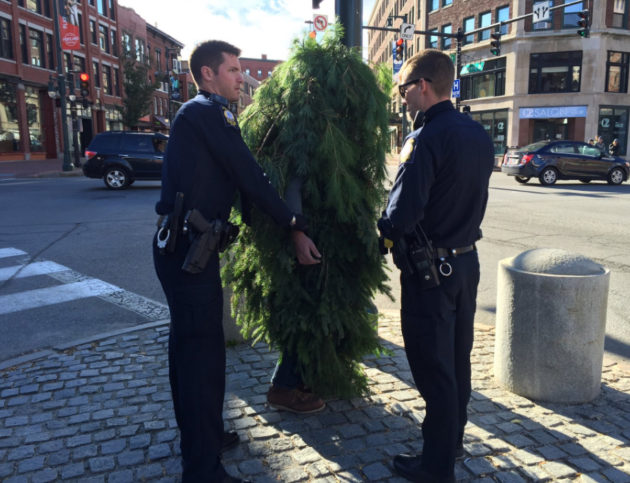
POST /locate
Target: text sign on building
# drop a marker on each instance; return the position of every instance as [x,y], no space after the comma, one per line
[320,22]
[541,12]
[456,88]
[406,31]
[552,112]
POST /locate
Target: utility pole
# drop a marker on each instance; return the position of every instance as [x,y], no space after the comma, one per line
[350,13]
[61,85]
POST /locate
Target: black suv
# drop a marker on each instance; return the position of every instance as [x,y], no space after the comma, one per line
[121,157]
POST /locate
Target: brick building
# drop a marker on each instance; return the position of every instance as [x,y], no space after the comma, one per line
[30,122]
[547,81]
[259,69]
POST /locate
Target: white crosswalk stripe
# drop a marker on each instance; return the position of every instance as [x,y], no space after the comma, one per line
[30,270]
[41,297]
[68,286]
[10,252]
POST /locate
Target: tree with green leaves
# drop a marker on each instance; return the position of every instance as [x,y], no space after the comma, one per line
[321,118]
[138,91]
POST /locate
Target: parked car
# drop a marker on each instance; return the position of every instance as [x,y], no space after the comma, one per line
[550,161]
[122,157]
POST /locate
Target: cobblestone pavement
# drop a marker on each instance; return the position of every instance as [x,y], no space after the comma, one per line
[101,412]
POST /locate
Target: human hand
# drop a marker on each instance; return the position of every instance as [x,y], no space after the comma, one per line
[305,249]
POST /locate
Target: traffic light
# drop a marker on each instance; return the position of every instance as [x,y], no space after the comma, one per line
[316,3]
[583,23]
[399,50]
[84,77]
[495,44]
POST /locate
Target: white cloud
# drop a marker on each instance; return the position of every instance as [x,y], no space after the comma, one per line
[255,26]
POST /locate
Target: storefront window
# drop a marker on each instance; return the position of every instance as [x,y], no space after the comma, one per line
[613,123]
[495,124]
[9,126]
[555,72]
[34,119]
[617,71]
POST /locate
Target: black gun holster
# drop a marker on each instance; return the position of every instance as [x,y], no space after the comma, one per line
[208,237]
[414,256]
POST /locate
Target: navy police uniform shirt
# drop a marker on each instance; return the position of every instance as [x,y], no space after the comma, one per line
[207,159]
[442,180]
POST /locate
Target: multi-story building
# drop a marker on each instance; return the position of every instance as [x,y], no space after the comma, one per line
[259,69]
[546,82]
[30,122]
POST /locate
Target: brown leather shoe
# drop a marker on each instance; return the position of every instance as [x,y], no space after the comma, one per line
[294,400]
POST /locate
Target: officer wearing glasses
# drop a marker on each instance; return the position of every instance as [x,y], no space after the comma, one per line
[442,186]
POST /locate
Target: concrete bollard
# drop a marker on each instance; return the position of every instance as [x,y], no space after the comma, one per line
[551,325]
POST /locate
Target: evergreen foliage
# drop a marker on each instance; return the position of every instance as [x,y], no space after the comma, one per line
[322,117]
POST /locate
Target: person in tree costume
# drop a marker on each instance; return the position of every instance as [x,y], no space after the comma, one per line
[319,128]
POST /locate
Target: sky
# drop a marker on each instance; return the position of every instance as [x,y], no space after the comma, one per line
[257,27]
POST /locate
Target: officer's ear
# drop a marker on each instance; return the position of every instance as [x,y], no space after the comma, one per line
[207,73]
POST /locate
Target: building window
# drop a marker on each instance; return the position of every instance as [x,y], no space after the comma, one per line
[140,50]
[23,46]
[268,73]
[485,19]
[620,14]
[469,24]
[34,119]
[34,6]
[96,75]
[613,123]
[9,125]
[126,43]
[483,79]
[107,79]
[571,14]
[446,3]
[555,72]
[6,46]
[617,71]
[503,14]
[158,59]
[67,62]
[112,39]
[101,6]
[37,47]
[259,73]
[447,42]
[433,5]
[548,25]
[103,38]
[93,37]
[49,51]
[433,39]
[495,124]
[116,83]
[111,9]
[78,66]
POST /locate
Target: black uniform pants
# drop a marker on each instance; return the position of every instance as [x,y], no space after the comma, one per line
[196,353]
[437,327]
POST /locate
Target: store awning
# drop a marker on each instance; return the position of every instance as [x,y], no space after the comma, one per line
[162,121]
[472,67]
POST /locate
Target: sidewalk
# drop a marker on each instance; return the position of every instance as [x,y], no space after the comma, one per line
[36,169]
[100,410]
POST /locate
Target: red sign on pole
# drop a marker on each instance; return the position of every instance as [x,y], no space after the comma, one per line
[69,25]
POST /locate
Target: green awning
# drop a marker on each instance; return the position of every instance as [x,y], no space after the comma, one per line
[472,68]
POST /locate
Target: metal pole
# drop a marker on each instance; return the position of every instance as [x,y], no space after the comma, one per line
[61,84]
[458,64]
[404,121]
[350,13]
[75,138]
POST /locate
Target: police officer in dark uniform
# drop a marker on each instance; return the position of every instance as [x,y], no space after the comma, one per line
[206,163]
[441,191]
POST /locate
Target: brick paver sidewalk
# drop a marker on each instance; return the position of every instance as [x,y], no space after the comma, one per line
[102,412]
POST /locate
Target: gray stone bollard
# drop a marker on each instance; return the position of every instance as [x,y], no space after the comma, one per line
[550,325]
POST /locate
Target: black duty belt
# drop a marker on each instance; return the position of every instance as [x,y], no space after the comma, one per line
[453,252]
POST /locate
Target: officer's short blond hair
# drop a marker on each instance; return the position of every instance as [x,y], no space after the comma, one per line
[434,65]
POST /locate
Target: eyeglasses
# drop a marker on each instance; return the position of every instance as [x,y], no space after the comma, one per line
[402,88]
